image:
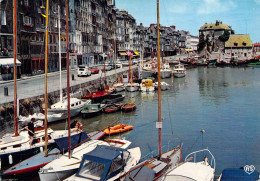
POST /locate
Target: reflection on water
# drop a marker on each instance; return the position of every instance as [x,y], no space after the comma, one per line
[223,101]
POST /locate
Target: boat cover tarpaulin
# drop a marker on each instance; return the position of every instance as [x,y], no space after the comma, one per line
[97,156]
[238,175]
[63,143]
[141,173]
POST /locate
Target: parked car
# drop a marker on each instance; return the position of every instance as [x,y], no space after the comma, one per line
[112,66]
[94,69]
[119,64]
[136,61]
[83,70]
[107,67]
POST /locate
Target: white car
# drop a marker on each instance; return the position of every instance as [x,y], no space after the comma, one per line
[136,61]
[83,70]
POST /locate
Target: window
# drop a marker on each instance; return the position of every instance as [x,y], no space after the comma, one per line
[55,23]
[27,20]
[26,2]
[3,17]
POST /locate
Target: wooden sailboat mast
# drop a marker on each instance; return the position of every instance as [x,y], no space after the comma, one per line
[115,55]
[68,74]
[15,70]
[159,80]
[130,67]
[46,71]
[59,54]
[105,80]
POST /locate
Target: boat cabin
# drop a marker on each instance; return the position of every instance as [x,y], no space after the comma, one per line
[147,83]
[96,165]
[125,78]
[62,105]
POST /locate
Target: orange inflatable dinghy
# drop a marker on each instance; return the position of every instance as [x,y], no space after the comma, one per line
[118,129]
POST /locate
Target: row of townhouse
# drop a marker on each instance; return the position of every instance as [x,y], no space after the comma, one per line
[96,30]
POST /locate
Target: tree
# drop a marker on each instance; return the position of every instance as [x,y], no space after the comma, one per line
[225,36]
[202,42]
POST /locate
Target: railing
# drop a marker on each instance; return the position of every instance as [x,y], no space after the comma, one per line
[211,161]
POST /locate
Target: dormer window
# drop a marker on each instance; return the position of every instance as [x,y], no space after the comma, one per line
[235,44]
[244,43]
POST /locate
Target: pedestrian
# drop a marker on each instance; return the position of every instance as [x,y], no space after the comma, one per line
[79,126]
[30,128]
[73,125]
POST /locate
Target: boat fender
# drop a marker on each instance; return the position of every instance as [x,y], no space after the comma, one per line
[10,158]
[80,126]
[41,149]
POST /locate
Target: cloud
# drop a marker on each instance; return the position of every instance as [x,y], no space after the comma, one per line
[216,6]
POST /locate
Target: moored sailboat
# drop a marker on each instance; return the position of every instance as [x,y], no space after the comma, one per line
[131,86]
[37,161]
[196,170]
[153,169]
[60,108]
[96,165]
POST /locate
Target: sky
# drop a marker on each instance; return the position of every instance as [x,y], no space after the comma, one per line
[242,15]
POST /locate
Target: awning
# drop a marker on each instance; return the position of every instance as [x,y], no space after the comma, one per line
[103,55]
[9,62]
[136,52]
[188,50]
[123,53]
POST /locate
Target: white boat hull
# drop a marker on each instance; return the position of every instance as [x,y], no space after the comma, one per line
[164,86]
[66,167]
[119,87]
[166,74]
[61,114]
[179,75]
[146,73]
[59,175]
[147,89]
[132,88]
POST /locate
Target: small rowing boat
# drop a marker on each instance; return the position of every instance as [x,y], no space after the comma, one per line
[129,107]
[112,108]
[118,129]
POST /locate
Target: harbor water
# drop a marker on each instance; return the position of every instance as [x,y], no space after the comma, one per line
[224,102]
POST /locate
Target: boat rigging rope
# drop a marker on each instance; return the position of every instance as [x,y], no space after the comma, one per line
[201,135]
